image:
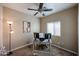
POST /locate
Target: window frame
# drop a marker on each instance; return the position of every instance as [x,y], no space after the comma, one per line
[54,31]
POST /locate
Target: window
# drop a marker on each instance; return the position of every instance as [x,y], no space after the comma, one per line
[54,28]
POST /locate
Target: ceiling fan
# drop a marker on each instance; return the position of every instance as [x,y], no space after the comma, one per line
[40,9]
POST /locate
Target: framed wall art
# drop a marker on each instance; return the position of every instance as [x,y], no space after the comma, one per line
[26,26]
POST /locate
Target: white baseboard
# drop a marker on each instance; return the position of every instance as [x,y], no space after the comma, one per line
[20,47]
[51,44]
[65,49]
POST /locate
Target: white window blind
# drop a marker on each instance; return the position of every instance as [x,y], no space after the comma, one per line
[54,28]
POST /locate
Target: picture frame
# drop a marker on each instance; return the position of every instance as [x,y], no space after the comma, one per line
[26,26]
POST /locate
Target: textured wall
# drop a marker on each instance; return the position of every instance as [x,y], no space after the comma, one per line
[78,29]
[18,37]
[69,32]
[1,19]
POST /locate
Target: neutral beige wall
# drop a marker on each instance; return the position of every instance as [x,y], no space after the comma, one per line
[1,19]
[68,19]
[78,29]
[18,37]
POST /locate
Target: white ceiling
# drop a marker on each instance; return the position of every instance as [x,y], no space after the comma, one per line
[22,7]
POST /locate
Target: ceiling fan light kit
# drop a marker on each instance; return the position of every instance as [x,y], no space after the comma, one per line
[40,9]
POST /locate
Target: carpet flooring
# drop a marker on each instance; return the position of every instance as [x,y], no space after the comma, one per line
[28,51]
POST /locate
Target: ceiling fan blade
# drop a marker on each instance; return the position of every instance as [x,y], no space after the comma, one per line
[40,6]
[35,13]
[32,9]
[48,10]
